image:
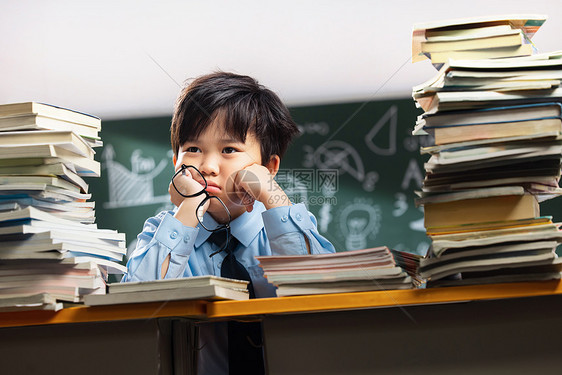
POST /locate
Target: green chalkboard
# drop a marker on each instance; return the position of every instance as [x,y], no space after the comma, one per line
[356,166]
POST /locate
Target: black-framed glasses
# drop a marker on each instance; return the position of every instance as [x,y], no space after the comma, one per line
[178,184]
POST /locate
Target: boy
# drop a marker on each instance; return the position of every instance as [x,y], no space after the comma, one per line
[234,132]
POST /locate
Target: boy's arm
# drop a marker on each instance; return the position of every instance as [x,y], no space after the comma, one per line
[292,230]
[163,237]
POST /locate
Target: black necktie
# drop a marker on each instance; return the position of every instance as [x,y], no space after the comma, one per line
[231,267]
[245,353]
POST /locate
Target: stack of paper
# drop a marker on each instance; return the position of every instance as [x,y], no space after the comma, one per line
[49,244]
[200,287]
[496,125]
[475,38]
[347,271]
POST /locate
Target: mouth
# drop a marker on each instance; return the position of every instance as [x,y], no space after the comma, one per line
[212,187]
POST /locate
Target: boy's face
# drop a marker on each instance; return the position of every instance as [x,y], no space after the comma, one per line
[218,156]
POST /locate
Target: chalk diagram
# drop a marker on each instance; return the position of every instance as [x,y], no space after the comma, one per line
[339,155]
[296,190]
[135,187]
[390,120]
[358,221]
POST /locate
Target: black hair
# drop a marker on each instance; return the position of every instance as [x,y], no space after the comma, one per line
[244,104]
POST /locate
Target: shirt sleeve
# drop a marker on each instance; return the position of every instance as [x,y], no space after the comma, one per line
[287,229]
[161,235]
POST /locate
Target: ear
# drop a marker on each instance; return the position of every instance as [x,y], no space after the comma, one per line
[174,160]
[273,164]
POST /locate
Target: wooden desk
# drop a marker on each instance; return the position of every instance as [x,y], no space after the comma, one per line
[503,328]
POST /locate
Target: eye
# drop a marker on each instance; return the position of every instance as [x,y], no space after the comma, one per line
[192,149]
[229,150]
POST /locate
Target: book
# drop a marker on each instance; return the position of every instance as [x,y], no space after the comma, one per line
[508,151]
[448,34]
[165,284]
[85,231]
[440,246]
[208,292]
[475,27]
[540,271]
[40,301]
[475,228]
[525,174]
[470,194]
[13,180]
[67,140]
[38,122]
[508,39]
[44,191]
[108,265]
[49,241]
[56,251]
[56,169]
[323,275]
[461,254]
[494,115]
[15,156]
[322,260]
[33,213]
[15,268]
[48,110]
[446,134]
[38,281]
[59,293]
[491,262]
[23,200]
[99,237]
[488,53]
[455,100]
[480,210]
[343,287]
[457,79]
[341,270]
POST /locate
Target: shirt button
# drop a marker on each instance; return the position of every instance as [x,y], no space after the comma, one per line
[174,235]
[299,217]
[186,239]
[284,218]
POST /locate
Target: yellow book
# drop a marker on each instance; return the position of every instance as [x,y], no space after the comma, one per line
[481,210]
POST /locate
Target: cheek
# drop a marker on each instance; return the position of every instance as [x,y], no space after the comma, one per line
[183,159]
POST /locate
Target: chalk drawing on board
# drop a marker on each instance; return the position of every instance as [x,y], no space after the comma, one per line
[135,187]
[295,189]
[400,205]
[337,155]
[388,146]
[325,216]
[417,225]
[413,173]
[371,179]
[321,128]
[359,220]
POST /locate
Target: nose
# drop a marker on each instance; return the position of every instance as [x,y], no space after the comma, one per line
[209,166]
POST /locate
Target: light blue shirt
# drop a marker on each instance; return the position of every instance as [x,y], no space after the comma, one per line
[278,231]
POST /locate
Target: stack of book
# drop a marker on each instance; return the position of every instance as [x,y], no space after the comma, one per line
[475,38]
[199,287]
[348,271]
[50,248]
[496,126]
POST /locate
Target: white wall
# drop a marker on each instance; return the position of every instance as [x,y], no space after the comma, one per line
[124,59]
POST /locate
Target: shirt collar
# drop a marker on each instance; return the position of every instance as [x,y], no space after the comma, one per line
[245,227]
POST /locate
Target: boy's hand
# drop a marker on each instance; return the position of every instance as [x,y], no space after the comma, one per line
[186,185]
[187,207]
[255,183]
